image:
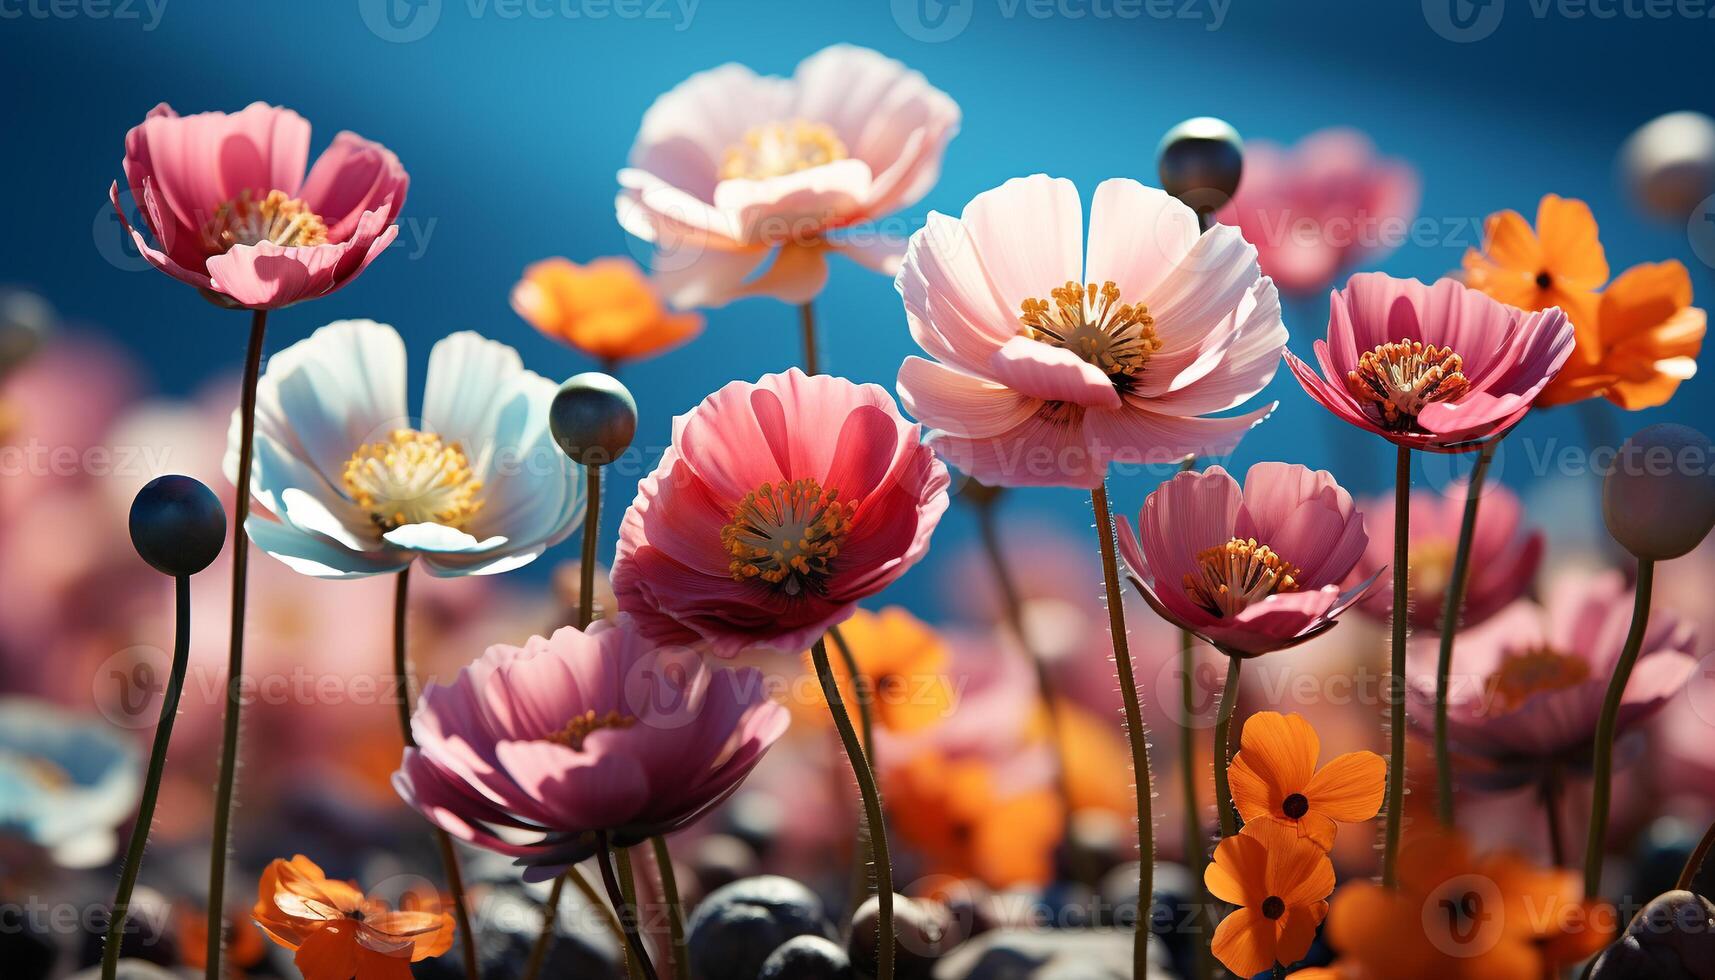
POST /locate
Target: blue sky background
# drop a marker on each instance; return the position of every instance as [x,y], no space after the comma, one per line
[513,117]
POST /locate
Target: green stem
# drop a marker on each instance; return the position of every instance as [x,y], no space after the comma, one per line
[1552,783]
[807,321]
[1694,863]
[1457,585]
[1601,778]
[151,785]
[226,782]
[600,904]
[1224,747]
[1134,731]
[623,905]
[866,724]
[675,914]
[592,535]
[1194,840]
[449,856]
[1396,668]
[872,810]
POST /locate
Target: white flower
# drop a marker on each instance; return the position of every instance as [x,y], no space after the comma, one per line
[352,485]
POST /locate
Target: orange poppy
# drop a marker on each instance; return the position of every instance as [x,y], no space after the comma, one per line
[904,665]
[1646,342]
[1458,916]
[1561,263]
[608,309]
[1280,883]
[340,934]
[957,814]
[1274,778]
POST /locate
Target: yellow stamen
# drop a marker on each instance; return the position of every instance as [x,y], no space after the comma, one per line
[1532,672]
[781,148]
[582,726]
[1091,322]
[1231,576]
[787,534]
[1403,377]
[276,218]
[413,477]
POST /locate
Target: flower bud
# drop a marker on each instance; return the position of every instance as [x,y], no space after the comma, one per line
[177,525]
[593,418]
[1200,161]
[1659,499]
[1669,163]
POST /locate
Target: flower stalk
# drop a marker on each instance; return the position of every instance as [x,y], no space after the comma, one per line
[1224,747]
[1396,667]
[1601,779]
[1458,582]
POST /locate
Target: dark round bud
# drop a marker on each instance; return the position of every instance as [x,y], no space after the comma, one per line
[1200,161]
[593,418]
[736,927]
[807,958]
[1659,498]
[177,525]
[1671,938]
[922,933]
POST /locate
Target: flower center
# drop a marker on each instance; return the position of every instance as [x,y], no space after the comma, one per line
[1231,576]
[1544,280]
[413,477]
[1522,675]
[787,534]
[1273,907]
[276,218]
[1404,376]
[1295,806]
[781,148]
[583,726]
[1091,322]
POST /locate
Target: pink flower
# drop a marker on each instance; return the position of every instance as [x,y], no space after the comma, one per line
[1439,368]
[1322,207]
[778,507]
[1039,379]
[226,198]
[1250,570]
[732,167]
[1527,686]
[534,751]
[1504,555]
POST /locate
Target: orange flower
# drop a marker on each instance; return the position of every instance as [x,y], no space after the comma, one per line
[904,665]
[1457,916]
[1280,883]
[608,309]
[958,816]
[1274,778]
[340,934]
[1561,263]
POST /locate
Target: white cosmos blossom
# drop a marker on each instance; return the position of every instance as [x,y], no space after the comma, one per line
[349,484]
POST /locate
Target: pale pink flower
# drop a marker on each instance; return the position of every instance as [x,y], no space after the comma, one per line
[732,168]
[226,197]
[1505,553]
[1252,569]
[1439,368]
[1048,366]
[1527,686]
[1322,207]
[778,506]
[534,751]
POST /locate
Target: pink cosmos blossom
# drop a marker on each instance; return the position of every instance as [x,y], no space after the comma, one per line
[1251,569]
[535,751]
[1505,554]
[1322,207]
[732,168]
[1048,366]
[1439,368]
[1527,686]
[778,506]
[228,202]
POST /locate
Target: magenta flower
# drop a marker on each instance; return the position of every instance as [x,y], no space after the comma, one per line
[1505,554]
[1440,368]
[1322,207]
[778,507]
[538,751]
[1527,686]
[1250,570]
[1049,365]
[228,202]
